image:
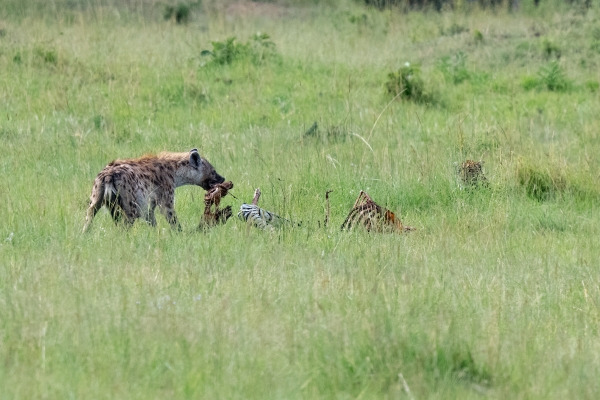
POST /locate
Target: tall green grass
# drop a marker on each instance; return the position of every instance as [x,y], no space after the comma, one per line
[496,294]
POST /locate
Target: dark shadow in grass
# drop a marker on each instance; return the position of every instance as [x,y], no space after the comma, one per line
[442,194]
[551,182]
[538,219]
[550,222]
[458,362]
[420,198]
[450,359]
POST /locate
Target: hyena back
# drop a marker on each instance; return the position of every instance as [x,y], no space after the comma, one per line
[132,188]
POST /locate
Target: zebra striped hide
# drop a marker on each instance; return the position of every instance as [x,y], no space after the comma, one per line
[260,218]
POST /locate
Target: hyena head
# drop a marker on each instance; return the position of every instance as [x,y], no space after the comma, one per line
[201,173]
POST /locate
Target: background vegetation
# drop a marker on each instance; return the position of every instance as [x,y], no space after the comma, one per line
[496,295]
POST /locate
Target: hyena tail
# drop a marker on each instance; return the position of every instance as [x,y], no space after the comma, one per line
[109,194]
[96,202]
[103,193]
[111,198]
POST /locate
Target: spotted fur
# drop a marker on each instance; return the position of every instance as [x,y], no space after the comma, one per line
[133,188]
[471,174]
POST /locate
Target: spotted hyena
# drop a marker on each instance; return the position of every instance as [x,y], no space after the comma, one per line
[133,188]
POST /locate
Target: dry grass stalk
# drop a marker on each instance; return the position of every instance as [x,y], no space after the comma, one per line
[327,210]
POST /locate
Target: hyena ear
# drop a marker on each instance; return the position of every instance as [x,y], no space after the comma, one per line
[195,158]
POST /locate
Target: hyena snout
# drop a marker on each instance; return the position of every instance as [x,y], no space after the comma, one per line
[213,180]
[205,174]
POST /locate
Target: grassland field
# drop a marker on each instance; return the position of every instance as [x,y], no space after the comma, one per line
[496,295]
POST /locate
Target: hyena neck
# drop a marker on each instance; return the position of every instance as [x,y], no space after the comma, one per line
[181,180]
[184,176]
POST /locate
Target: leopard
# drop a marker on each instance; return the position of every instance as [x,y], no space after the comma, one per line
[470,174]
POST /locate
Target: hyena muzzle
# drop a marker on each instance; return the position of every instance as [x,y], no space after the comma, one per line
[132,188]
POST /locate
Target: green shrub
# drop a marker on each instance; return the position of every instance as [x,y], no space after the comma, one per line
[550,77]
[549,49]
[454,29]
[225,52]
[358,19]
[459,362]
[382,4]
[407,84]
[181,12]
[454,69]
[99,121]
[48,56]
[592,86]
[553,78]
[262,48]
[546,181]
[540,182]
[529,82]
[258,49]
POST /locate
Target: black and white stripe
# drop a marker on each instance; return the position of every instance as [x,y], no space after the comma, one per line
[259,217]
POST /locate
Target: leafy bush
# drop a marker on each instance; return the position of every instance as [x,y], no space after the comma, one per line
[550,77]
[224,52]
[460,363]
[99,121]
[262,48]
[181,12]
[414,4]
[553,78]
[38,56]
[358,19]
[592,86]
[48,56]
[539,182]
[529,82]
[549,49]
[454,29]
[454,69]
[544,181]
[258,49]
[407,84]
[382,4]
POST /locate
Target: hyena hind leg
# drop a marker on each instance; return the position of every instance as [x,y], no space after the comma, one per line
[119,212]
[149,214]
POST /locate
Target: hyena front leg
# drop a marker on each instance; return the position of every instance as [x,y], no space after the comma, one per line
[169,212]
